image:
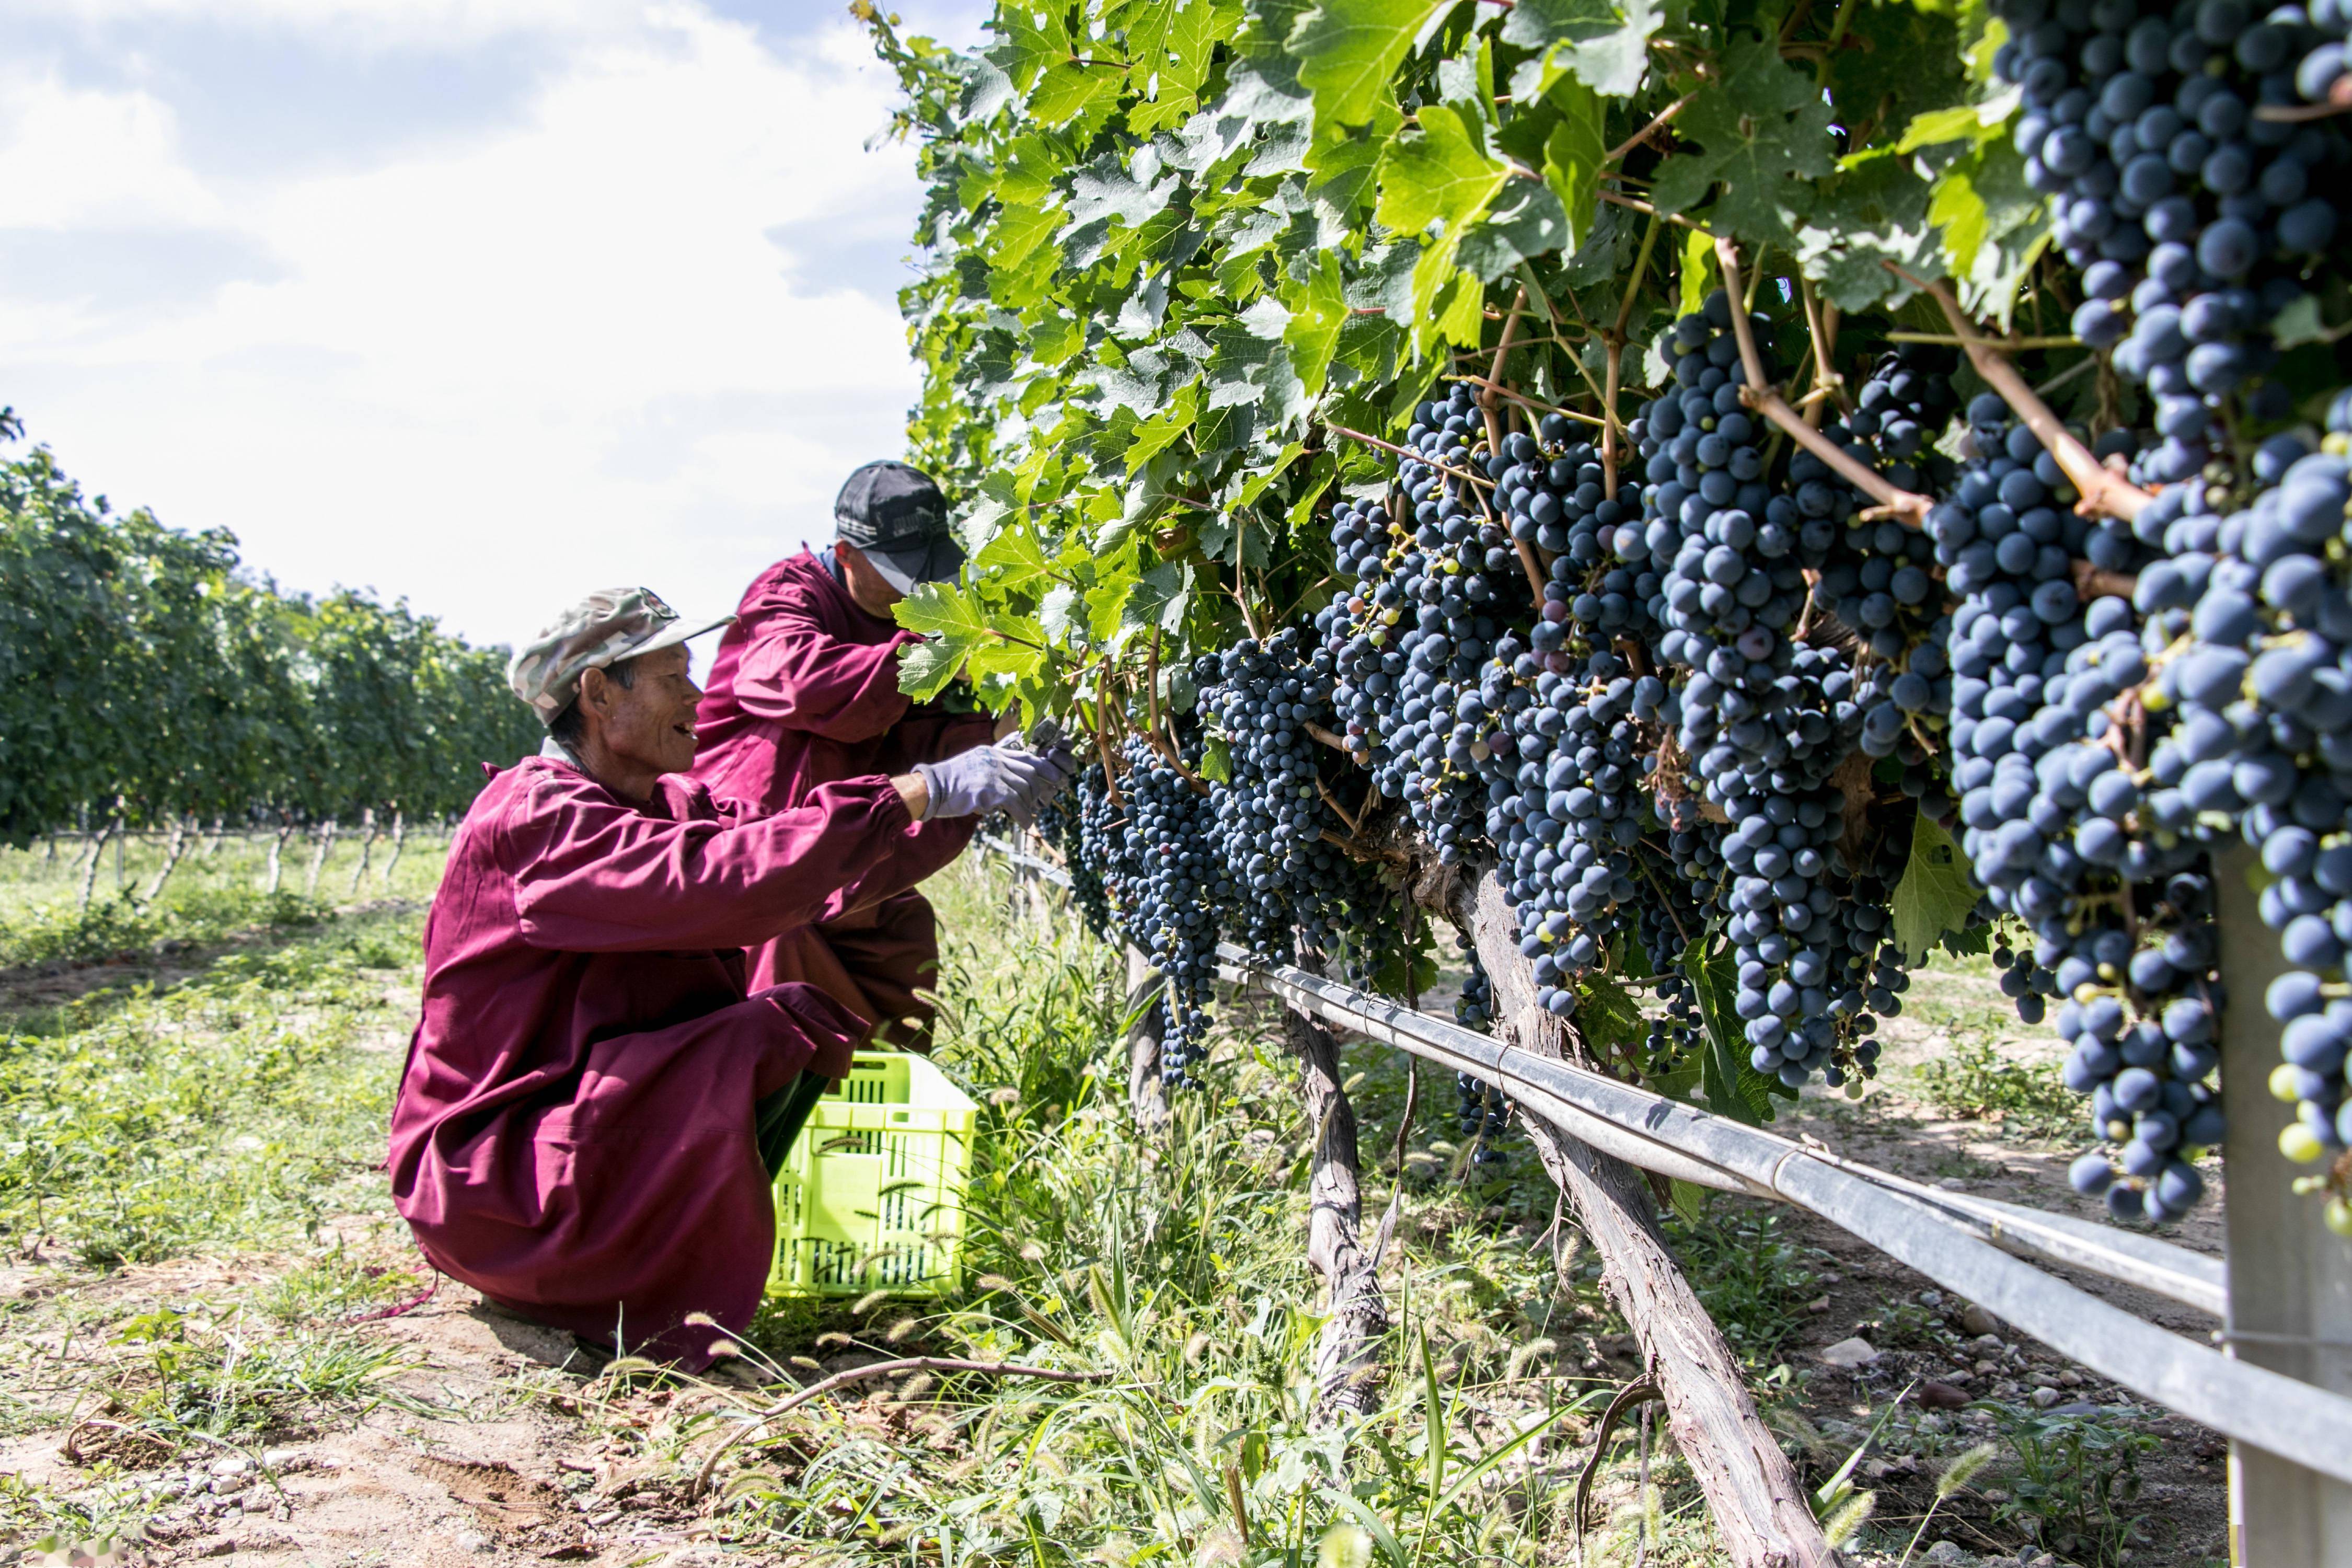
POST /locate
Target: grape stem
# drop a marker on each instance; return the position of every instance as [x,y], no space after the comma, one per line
[2104,494]
[2055,341]
[1821,325]
[1364,851]
[1355,829]
[2092,582]
[1102,744]
[1635,204]
[1318,733]
[1512,395]
[2339,100]
[1489,402]
[1643,134]
[1614,340]
[1759,393]
[1463,474]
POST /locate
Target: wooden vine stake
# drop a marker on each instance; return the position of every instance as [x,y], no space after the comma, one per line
[1757,1504]
[1147,1099]
[1347,1353]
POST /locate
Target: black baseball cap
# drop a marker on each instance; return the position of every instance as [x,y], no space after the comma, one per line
[897,516]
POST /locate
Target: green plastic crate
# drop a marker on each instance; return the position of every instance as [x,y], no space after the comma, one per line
[871,1196]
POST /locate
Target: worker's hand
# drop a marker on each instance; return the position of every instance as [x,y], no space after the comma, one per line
[994,778]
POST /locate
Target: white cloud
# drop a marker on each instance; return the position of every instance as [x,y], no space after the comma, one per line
[487,375]
[77,158]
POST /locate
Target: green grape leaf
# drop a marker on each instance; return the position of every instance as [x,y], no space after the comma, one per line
[1573,154]
[1318,310]
[1441,172]
[1526,221]
[1014,559]
[1758,141]
[1348,51]
[1172,421]
[1603,46]
[1732,1087]
[1698,258]
[1610,1016]
[925,669]
[1063,614]
[1935,896]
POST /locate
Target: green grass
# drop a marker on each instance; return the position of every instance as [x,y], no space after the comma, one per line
[230,1111]
[1974,1081]
[1176,1269]
[213,895]
[192,1083]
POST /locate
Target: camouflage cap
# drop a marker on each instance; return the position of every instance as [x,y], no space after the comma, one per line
[608,626]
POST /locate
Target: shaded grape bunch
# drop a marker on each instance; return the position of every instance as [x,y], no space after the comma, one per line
[1061,823]
[1434,594]
[1568,822]
[2259,685]
[1775,701]
[1482,1113]
[2193,216]
[2068,833]
[1167,884]
[1274,831]
[1879,577]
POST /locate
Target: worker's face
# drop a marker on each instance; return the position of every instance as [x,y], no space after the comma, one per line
[867,588]
[648,725]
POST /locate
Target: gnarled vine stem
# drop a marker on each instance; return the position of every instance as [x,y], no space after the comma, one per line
[1905,507]
[2103,494]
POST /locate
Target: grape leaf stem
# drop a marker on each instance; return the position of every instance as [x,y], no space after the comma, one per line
[1637,205]
[1392,447]
[1643,134]
[1521,398]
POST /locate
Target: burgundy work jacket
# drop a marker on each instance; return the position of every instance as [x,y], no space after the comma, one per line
[573,1135]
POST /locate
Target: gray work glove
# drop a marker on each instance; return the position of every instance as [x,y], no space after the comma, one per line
[994,778]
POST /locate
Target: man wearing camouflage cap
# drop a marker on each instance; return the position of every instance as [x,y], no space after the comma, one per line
[804,691]
[595,1098]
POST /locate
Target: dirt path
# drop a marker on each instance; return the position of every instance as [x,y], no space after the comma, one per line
[1919,1332]
[491,1441]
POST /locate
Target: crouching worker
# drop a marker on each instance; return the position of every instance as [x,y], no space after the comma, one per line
[594,1103]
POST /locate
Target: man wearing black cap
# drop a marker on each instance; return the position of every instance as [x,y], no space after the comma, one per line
[804,692]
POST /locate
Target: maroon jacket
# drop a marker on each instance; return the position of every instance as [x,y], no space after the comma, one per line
[574,1135]
[804,691]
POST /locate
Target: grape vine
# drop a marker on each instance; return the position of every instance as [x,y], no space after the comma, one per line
[1769,496]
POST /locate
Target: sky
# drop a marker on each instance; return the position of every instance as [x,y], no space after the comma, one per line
[480,303]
